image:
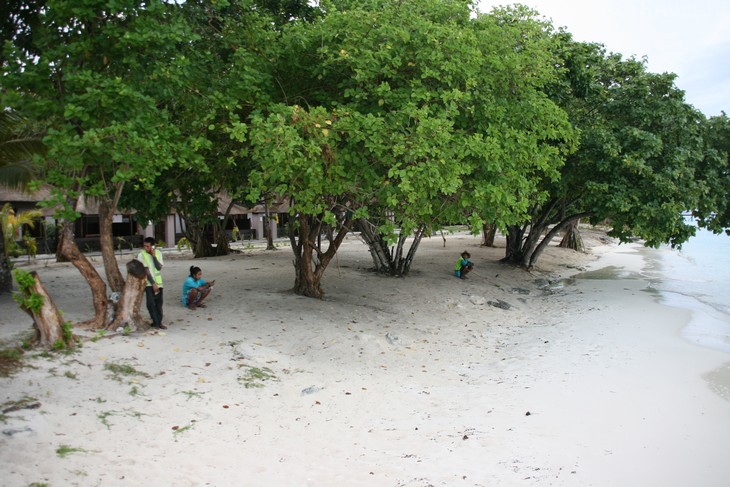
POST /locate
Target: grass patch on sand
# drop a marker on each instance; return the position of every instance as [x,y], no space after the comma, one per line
[11,360]
[191,394]
[104,416]
[120,371]
[254,377]
[64,450]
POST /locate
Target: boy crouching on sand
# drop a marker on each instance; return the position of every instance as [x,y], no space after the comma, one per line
[463,265]
[195,289]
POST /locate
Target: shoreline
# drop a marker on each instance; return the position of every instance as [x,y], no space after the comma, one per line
[385,382]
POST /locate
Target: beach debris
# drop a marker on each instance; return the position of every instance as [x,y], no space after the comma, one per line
[500,304]
[520,290]
[17,431]
[477,300]
[392,339]
[542,283]
[27,403]
[311,390]
[528,413]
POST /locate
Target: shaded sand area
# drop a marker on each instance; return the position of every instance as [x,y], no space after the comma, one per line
[422,381]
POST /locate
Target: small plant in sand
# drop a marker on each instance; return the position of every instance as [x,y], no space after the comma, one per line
[64,450]
[192,394]
[99,334]
[105,415]
[254,377]
[177,430]
[70,375]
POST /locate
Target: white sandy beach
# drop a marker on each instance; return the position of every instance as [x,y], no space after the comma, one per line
[386,382]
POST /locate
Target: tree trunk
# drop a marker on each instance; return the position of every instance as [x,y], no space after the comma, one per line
[222,247]
[309,267]
[387,261]
[6,275]
[61,237]
[515,241]
[71,252]
[379,249]
[489,231]
[106,240]
[572,238]
[47,320]
[127,309]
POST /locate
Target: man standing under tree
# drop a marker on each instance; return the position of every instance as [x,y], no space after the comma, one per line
[151,258]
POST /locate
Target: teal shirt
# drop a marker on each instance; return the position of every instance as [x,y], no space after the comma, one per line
[189,284]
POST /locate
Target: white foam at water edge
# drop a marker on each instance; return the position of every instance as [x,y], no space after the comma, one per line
[708,327]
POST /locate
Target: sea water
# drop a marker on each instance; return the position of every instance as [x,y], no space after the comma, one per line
[697,277]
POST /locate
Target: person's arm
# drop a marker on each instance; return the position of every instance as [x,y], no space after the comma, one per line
[147,272]
[157,263]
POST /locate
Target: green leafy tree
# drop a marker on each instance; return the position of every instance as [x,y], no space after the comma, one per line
[713,211]
[434,116]
[640,144]
[97,73]
[228,75]
[312,157]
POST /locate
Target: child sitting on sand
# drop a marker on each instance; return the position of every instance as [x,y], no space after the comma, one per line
[195,289]
[463,265]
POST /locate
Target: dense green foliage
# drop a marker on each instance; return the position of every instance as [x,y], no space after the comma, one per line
[401,116]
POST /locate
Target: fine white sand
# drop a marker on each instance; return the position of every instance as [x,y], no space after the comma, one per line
[419,381]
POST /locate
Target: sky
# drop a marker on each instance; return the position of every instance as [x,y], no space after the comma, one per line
[688,38]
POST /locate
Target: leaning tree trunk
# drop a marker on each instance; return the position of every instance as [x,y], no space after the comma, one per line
[489,231]
[70,251]
[6,275]
[552,234]
[106,240]
[127,309]
[47,319]
[572,238]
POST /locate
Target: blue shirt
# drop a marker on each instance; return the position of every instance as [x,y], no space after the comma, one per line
[189,284]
